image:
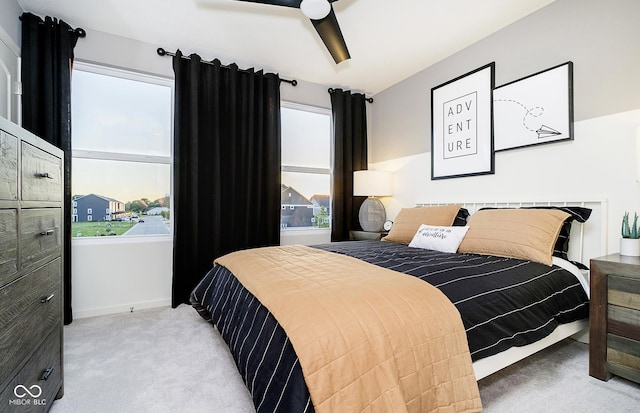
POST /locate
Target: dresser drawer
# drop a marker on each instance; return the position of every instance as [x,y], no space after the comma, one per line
[623,357]
[623,292]
[37,384]
[623,326]
[8,245]
[29,308]
[41,175]
[40,234]
[8,166]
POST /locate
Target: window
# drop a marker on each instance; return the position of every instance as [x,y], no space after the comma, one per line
[306,167]
[121,148]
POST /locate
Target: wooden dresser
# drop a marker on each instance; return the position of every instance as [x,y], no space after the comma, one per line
[614,317]
[31,223]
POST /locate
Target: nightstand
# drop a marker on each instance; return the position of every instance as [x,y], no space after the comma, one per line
[614,317]
[355,235]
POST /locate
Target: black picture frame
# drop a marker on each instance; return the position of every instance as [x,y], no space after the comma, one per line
[462,125]
[534,110]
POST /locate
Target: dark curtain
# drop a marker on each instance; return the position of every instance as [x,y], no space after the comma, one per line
[47,58]
[349,124]
[226,165]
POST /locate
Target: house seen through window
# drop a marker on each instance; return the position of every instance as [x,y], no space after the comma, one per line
[121,147]
[306,168]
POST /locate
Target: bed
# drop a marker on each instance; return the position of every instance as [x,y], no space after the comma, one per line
[491,294]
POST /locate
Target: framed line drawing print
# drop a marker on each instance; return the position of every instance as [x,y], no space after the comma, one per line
[462,125]
[535,109]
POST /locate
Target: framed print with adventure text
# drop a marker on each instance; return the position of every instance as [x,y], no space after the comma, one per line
[462,125]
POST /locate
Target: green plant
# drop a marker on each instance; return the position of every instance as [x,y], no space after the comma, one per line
[630,231]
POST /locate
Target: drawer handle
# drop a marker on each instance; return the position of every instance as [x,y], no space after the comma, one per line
[47,232]
[46,373]
[45,300]
[44,175]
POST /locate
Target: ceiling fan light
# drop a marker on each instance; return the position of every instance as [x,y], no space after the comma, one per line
[315,9]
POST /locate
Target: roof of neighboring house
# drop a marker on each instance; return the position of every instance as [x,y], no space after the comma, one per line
[289,196]
[106,198]
[321,200]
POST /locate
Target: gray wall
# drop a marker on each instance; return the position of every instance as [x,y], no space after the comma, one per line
[9,13]
[602,38]
[120,52]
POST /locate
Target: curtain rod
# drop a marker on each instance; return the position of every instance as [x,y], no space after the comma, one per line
[163,52]
[79,31]
[370,100]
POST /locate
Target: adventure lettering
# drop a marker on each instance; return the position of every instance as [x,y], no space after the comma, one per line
[460,126]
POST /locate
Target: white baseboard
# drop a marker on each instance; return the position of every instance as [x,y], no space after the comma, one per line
[123,308]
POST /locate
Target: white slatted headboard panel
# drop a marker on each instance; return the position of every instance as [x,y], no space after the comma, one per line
[587,240]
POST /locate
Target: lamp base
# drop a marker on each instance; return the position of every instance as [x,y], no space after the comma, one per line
[372,215]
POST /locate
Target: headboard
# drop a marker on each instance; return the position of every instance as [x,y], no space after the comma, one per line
[587,240]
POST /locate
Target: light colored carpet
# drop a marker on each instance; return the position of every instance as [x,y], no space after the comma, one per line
[166,360]
[556,380]
[159,360]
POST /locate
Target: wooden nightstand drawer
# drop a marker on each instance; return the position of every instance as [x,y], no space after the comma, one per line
[8,166]
[41,175]
[623,357]
[623,292]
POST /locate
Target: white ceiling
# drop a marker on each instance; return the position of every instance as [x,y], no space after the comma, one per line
[388,40]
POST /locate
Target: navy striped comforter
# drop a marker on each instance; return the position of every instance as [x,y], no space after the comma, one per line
[503,303]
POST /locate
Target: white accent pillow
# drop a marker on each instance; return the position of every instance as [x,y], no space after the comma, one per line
[445,239]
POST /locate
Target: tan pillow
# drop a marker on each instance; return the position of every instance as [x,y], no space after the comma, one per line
[408,221]
[527,234]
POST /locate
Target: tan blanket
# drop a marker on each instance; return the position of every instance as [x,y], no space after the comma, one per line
[368,339]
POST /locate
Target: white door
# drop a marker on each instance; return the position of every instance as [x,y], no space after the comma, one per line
[9,103]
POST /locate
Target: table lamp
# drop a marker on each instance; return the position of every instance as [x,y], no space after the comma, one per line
[371,183]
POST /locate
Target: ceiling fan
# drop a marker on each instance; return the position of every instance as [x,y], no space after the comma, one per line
[321,14]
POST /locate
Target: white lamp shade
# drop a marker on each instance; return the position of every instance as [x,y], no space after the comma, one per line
[372,183]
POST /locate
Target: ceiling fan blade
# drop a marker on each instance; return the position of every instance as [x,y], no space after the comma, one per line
[287,3]
[327,28]
[331,35]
